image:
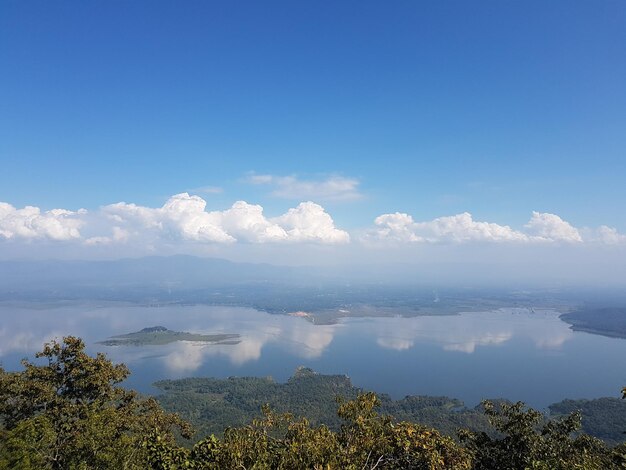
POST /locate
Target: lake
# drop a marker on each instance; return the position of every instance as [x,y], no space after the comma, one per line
[519,354]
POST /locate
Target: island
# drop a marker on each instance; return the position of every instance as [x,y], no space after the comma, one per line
[159,335]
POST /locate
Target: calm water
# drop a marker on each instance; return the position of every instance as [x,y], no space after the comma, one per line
[512,353]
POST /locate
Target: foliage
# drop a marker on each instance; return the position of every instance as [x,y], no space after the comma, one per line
[527,441]
[69,413]
[367,440]
[212,405]
[604,418]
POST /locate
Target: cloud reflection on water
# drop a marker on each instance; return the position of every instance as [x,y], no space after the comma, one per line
[298,338]
[26,329]
[465,332]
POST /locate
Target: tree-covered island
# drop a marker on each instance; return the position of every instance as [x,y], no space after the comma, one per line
[159,335]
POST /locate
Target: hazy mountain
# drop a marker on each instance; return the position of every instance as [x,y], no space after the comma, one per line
[171,272]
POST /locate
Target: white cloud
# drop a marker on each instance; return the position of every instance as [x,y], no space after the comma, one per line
[332,188]
[608,236]
[181,217]
[397,227]
[455,229]
[246,221]
[462,228]
[309,222]
[184,217]
[31,223]
[551,227]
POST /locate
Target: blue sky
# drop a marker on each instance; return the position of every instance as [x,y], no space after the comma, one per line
[430,108]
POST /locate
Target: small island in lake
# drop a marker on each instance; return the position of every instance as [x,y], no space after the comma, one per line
[159,335]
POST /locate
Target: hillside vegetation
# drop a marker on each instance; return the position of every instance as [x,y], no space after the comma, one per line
[212,405]
[68,412]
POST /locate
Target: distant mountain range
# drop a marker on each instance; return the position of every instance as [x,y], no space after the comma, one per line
[154,270]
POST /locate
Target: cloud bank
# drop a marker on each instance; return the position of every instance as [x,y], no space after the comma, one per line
[184,217]
[31,223]
[462,228]
[184,221]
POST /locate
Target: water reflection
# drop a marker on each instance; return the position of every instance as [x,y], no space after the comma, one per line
[395,355]
[466,332]
[297,338]
[25,329]
[398,344]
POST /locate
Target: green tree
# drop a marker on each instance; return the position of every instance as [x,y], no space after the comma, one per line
[278,441]
[526,440]
[70,413]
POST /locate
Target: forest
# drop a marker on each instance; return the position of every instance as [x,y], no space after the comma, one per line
[67,410]
[211,405]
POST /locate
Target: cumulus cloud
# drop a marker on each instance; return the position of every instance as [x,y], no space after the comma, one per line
[184,217]
[310,222]
[31,223]
[397,227]
[456,229]
[332,188]
[246,221]
[551,227]
[608,236]
[462,228]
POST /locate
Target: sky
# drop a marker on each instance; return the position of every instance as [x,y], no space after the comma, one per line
[230,128]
